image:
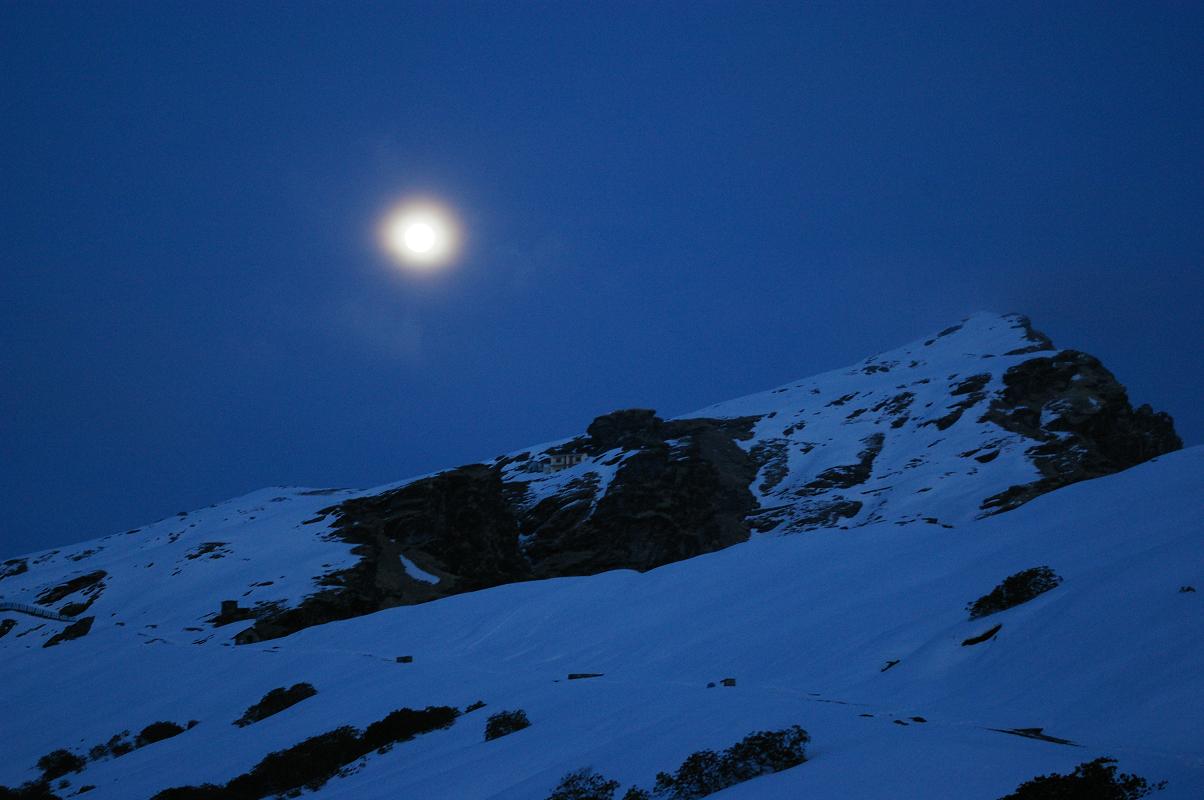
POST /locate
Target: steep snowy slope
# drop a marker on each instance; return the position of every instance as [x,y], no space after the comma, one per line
[851,625]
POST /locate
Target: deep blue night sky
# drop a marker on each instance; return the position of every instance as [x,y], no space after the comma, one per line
[667,205]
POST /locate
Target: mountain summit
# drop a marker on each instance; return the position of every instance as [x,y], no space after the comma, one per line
[878,500]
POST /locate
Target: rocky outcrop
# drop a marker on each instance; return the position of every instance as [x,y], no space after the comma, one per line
[684,491]
[75,630]
[1080,420]
[680,491]
[457,525]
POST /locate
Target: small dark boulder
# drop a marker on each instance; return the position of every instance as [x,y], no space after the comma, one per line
[75,630]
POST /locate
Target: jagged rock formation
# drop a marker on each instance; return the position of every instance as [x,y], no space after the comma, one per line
[1080,418]
[680,489]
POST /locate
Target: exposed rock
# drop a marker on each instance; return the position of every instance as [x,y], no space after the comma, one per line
[629,429]
[826,515]
[458,523]
[982,637]
[664,504]
[75,630]
[847,475]
[772,459]
[1082,423]
[971,392]
[682,490]
[1039,341]
[90,586]
[13,566]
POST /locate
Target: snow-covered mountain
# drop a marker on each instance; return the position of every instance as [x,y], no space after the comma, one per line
[818,543]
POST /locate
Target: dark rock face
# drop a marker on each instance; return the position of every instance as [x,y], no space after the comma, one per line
[457,525]
[81,584]
[681,491]
[13,566]
[846,476]
[1080,420]
[628,428]
[675,497]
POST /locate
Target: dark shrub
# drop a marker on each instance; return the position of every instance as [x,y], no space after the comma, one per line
[157,732]
[584,784]
[474,706]
[311,763]
[765,752]
[206,791]
[699,775]
[119,745]
[707,772]
[276,701]
[308,764]
[1015,589]
[636,793]
[28,791]
[406,723]
[1093,780]
[58,763]
[504,723]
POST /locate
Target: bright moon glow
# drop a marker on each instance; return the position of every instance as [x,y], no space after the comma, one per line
[420,234]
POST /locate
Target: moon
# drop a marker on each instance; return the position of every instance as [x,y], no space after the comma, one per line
[420,234]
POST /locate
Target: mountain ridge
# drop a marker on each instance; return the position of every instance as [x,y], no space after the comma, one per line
[957,564]
[977,419]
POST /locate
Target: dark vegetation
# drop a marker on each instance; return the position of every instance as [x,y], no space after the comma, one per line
[584,784]
[274,702]
[504,723]
[311,763]
[157,732]
[58,763]
[28,791]
[702,773]
[1093,780]
[1014,590]
[707,772]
